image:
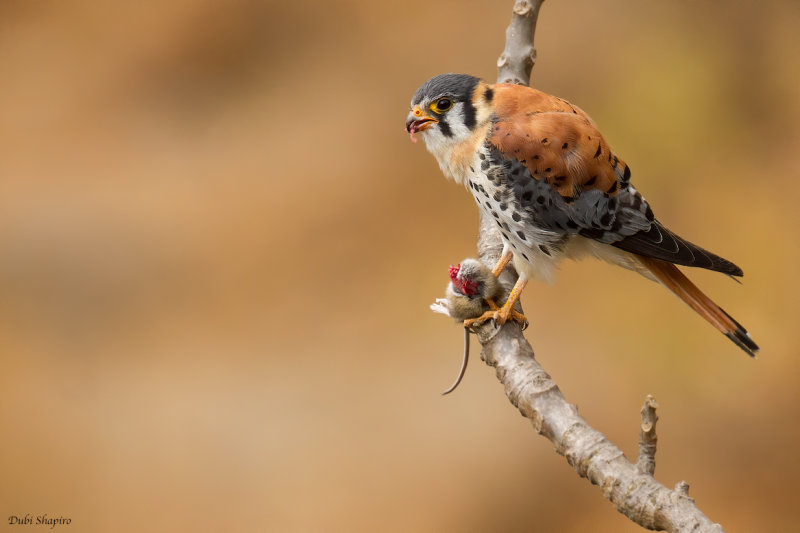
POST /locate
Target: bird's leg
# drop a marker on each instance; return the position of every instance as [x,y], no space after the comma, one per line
[507,311]
[501,263]
[497,270]
[502,314]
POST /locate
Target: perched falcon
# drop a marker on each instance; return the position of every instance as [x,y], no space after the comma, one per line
[540,168]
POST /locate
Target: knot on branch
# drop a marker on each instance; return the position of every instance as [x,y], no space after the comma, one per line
[588,451]
[522,8]
[682,489]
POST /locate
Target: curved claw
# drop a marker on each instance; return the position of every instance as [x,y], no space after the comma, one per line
[500,316]
[520,319]
[473,322]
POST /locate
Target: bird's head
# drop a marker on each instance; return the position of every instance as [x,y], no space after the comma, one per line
[447,108]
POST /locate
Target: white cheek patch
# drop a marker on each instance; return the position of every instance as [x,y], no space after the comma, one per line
[455,119]
[441,145]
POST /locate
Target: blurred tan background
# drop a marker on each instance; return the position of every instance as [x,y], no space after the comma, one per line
[214,286]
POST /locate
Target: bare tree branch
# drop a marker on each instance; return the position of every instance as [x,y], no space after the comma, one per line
[635,494]
[630,487]
[516,62]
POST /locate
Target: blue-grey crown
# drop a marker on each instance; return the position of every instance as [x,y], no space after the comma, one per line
[459,87]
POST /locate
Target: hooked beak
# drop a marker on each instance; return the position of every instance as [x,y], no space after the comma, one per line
[418,121]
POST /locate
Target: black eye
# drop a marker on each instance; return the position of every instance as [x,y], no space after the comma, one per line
[444,104]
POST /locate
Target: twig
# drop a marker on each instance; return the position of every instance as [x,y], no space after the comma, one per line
[516,62]
[646,463]
[631,488]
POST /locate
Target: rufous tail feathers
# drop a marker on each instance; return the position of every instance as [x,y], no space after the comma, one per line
[673,279]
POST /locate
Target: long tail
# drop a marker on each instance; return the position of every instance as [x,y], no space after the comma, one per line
[673,279]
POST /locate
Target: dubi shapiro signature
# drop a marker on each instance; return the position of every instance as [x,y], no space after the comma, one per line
[38,520]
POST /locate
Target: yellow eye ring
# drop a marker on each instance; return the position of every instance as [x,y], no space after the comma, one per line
[441,105]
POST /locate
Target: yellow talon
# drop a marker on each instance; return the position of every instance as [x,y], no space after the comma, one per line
[499,315]
[502,314]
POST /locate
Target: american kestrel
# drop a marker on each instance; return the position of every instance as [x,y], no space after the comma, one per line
[540,168]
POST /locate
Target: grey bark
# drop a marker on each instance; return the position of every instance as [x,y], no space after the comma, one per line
[630,487]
